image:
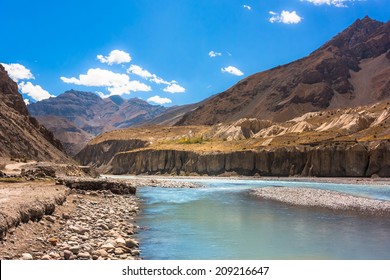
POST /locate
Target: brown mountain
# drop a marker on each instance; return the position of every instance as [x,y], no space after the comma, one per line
[75,116]
[352,69]
[21,136]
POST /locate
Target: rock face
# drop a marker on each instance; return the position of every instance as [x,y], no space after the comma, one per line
[102,153]
[352,69]
[75,116]
[21,136]
[333,160]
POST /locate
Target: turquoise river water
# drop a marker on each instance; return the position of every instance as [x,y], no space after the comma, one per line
[223,221]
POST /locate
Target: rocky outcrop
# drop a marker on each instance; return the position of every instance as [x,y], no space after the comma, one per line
[102,153]
[21,136]
[331,160]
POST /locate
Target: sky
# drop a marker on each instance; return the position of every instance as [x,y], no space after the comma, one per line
[167,52]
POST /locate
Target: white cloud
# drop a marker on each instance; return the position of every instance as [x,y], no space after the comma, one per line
[214,54]
[17,72]
[34,91]
[117,84]
[136,70]
[337,3]
[285,17]
[26,101]
[247,7]
[174,88]
[159,100]
[115,57]
[232,70]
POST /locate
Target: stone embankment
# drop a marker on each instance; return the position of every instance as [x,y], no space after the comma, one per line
[330,160]
[325,199]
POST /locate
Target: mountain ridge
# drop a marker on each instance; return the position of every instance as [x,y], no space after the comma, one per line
[319,81]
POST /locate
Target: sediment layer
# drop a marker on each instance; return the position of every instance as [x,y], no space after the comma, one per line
[332,160]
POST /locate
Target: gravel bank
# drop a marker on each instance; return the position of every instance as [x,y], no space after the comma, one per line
[95,225]
[324,199]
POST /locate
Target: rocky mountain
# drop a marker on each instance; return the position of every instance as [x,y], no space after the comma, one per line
[75,116]
[338,142]
[352,69]
[21,136]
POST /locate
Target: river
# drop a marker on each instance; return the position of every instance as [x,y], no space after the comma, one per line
[223,221]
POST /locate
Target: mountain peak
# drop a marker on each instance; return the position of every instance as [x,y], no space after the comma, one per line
[355,36]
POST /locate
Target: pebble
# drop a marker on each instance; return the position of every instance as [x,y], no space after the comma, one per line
[75,249]
[84,255]
[96,230]
[67,254]
[27,256]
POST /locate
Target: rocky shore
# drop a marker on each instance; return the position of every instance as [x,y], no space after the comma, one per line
[325,199]
[87,225]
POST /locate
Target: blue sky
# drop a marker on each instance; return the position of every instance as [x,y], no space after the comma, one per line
[168,52]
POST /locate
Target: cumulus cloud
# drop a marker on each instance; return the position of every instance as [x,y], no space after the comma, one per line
[26,101]
[115,57]
[159,100]
[137,70]
[117,84]
[214,54]
[232,70]
[174,88]
[285,17]
[36,92]
[247,7]
[17,72]
[336,3]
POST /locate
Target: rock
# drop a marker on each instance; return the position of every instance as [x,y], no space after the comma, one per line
[120,241]
[79,230]
[53,241]
[75,249]
[46,257]
[118,251]
[27,256]
[102,253]
[130,243]
[50,219]
[66,216]
[67,254]
[107,246]
[54,255]
[84,255]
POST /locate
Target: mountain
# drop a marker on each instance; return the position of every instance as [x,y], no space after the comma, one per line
[349,142]
[75,116]
[352,69]
[21,136]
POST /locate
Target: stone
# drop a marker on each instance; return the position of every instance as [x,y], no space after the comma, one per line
[46,257]
[120,240]
[118,251]
[75,249]
[54,255]
[79,230]
[102,253]
[84,255]
[50,219]
[66,216]
[27,256]
[53,241]
[107,246]
[67,254]
[130,243]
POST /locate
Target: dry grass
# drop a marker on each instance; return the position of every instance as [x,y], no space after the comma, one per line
[191,138]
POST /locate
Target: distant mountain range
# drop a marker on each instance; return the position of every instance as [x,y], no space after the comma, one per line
[21,136]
